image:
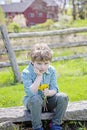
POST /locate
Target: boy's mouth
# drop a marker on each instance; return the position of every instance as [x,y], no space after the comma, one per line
[42,70]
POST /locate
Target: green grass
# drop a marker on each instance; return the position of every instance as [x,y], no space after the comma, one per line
[59,25]
[6,77]
[72,80]
[72,75]
[11,95]
[79,23]
[75,87]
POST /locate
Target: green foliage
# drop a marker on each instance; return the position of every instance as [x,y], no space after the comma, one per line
[2,16]
[14,27]
[48,23]
[74,125]
[79,23]
[44,26]
[65,22]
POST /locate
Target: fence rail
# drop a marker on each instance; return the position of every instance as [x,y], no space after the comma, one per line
[9,49]
[53,46]
[48,33]
[60,58]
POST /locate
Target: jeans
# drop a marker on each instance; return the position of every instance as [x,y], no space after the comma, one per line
[58,103]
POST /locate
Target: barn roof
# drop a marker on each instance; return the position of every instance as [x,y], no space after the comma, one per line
[50,2]
[17,7]
[22,6]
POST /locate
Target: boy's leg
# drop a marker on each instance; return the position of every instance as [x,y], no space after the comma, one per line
[35,107]
[58,102]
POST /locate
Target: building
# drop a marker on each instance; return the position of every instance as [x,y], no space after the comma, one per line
[34,11]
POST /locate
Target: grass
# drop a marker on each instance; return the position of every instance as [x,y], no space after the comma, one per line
[63,23]
[75,87]
[72,76]
[11,95]
[72,80]
[79,23]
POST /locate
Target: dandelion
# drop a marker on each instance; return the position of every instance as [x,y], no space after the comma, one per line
[42,88]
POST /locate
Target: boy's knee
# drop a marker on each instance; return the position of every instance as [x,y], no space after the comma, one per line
[62,97]
[36,99]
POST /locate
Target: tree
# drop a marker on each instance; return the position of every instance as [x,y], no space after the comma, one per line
[74,10]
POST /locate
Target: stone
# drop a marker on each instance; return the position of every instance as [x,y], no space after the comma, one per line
[75,111]
[7,126]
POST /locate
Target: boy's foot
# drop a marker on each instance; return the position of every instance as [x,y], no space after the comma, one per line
[55,127]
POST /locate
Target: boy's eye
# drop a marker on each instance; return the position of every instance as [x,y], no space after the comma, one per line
[46,63]
[39,63]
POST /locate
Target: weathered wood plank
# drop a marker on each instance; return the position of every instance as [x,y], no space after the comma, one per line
[59,58]
[53,45]
[75,56]
[11,53]
[75,111]
[8,64]
[48,33]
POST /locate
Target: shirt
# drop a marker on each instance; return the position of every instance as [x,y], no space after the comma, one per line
[29,76]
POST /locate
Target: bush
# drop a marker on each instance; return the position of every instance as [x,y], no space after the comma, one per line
[42,26]
[14,27]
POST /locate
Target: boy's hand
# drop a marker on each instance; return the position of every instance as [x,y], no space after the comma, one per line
[46,92]
[37,71]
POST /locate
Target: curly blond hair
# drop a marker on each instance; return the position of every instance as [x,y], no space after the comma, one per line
[41,52]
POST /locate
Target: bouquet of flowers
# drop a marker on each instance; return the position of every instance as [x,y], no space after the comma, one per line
[42,88]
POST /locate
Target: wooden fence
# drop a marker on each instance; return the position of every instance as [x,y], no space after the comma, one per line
[10,50]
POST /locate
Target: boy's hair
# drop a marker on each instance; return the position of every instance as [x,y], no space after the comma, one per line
[41,52]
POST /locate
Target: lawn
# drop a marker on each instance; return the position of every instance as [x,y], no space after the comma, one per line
[72,79]
[71,75]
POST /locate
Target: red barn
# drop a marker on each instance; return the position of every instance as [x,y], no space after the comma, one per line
[34,11]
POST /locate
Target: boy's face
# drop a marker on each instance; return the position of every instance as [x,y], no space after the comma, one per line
[41,66]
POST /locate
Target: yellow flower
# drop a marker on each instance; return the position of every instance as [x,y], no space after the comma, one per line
[43,86]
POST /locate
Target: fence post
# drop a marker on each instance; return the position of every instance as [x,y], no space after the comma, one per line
[11,54]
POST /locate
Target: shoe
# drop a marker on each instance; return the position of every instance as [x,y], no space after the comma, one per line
[39,129]
[55,127]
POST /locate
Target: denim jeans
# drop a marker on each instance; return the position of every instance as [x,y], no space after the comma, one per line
[58,103]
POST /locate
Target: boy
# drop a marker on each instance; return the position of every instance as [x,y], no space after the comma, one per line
[41,73]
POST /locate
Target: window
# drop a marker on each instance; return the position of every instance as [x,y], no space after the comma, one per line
[40,14]
[31,14]
[32,23]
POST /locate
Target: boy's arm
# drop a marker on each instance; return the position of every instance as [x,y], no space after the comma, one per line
[30,87]
[53,87]
[34,86]
[49,93]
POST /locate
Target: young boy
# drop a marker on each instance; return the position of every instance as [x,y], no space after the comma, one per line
[41,73]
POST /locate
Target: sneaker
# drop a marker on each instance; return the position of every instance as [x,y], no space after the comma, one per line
[55,127]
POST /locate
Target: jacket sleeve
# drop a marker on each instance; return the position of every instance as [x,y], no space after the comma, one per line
[53,81]
[27,81]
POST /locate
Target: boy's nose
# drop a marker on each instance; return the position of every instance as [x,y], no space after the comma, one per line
[42,66]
